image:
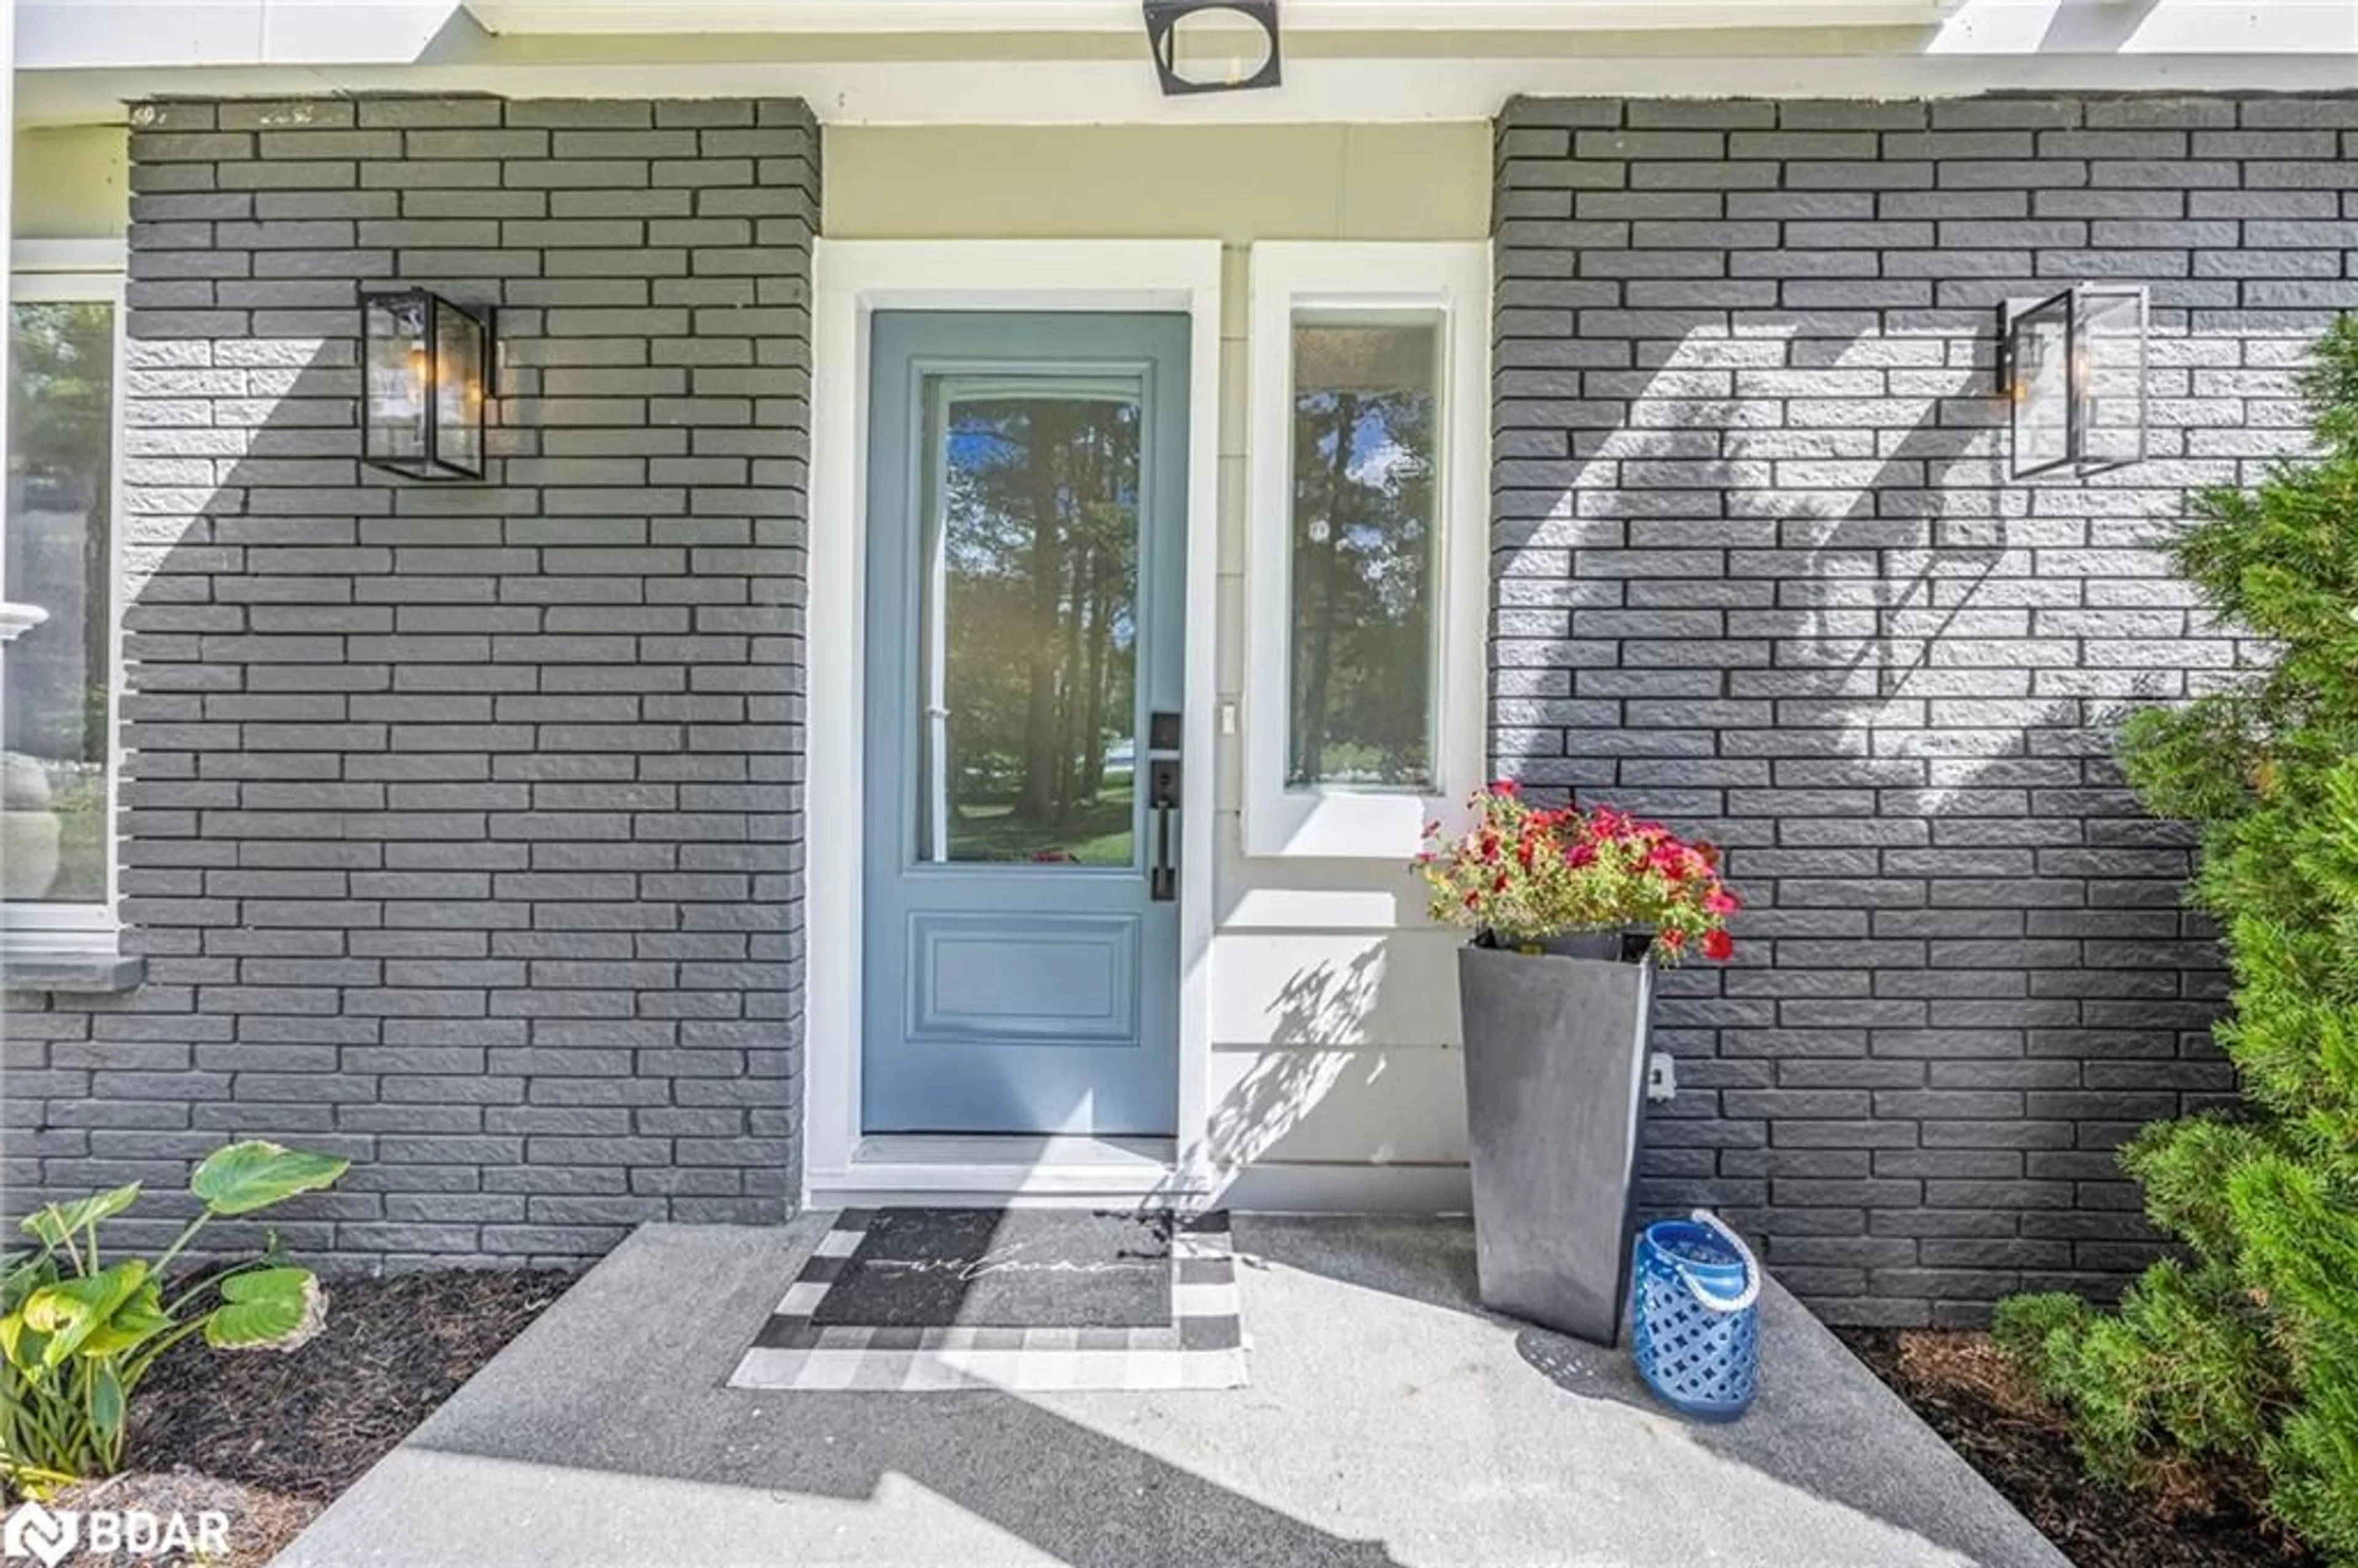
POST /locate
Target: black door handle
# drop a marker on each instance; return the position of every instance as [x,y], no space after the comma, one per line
[1163,796]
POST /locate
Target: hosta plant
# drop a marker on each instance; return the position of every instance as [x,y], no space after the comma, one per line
[79,1332]
[1522,875]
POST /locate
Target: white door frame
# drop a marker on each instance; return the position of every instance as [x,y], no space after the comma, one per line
[853,279]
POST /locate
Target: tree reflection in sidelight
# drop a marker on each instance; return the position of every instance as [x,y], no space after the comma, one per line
[1360,681]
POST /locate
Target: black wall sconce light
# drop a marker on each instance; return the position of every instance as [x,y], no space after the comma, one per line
[2073,369]
[426,369]
[1213,45]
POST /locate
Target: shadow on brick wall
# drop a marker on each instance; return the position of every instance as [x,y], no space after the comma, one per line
[1849,654]
[462,822]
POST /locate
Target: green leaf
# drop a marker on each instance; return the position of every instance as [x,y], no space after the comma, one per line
[106,1404]
[267,1309]
[52,1225]
[20,1345]
[139,1318]
[70,1310]
[244,1177]
[24,1273]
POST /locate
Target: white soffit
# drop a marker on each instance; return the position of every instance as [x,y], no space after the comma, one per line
[67,34]
[1083,61]
[937,17]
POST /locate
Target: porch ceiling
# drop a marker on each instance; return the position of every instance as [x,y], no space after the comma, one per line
[996,16]
[1083,61]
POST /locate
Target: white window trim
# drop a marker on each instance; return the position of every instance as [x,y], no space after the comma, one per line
[1452,277]
[49,272]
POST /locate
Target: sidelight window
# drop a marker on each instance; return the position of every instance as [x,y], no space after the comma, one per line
[1368,465]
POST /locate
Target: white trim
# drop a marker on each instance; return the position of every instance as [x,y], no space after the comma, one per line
[955,1169]
[1101,16]
[93,255]
[853,279]
[89,926]
[1317,92]
[1297,1187]
[14,619]
[230,32]
[82,61]
[949,1171]
[1452,278]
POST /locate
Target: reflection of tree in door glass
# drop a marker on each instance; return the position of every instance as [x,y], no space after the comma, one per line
[1031,614]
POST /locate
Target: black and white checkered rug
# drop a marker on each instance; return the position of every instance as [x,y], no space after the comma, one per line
[911,1300]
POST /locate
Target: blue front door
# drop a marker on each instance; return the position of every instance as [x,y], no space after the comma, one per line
[1026,551]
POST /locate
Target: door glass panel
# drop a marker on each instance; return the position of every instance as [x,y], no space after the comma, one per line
[1028,632]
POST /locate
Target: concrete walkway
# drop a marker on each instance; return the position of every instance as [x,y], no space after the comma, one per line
[1388,1421]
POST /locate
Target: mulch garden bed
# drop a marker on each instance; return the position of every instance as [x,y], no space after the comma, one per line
[271,1439]
[1967,1391]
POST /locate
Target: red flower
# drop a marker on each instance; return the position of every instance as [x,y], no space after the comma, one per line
[1609,823]
[1672,940]
[1719,901]
[1580,854]
[1507,787]
[1716,944]
[1669,860]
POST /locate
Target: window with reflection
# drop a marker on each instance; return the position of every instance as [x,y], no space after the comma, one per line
[57,705]
[1028,636]
[1365,391]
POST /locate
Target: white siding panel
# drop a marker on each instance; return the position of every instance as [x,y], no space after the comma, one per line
[1404,1108]
[1310,989]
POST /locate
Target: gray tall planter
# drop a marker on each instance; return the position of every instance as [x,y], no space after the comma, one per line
[1555,1066]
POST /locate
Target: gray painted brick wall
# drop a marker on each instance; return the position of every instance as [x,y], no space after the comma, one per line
[1758,571]
[464,822]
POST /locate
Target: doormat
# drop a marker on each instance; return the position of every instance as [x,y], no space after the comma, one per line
[915,1299]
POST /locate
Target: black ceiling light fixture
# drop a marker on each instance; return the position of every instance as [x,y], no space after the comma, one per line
[1213,45]
[426,369]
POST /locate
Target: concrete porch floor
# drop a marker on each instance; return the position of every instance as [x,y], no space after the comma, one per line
[1388,1421]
